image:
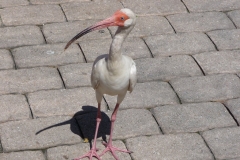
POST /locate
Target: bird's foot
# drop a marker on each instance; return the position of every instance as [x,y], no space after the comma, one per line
[113,150]
[92,153]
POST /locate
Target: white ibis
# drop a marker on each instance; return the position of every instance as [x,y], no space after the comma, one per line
[114,74]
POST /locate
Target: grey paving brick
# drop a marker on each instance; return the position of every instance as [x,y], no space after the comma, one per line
[211,5]
[62,102]
[226,39]
[224,142]
[166,68]
[81,11]
[151,25]
[21,135]
[13,107]
[192,117]
[146,95]
[54,1]
[234,159]
[133,47]
[11,3]
[76,75]
[148,26]
[171,147]
[46,55]
[74,151]
[32,14]
[20,36]
[6,61]
[36,155]
[63,32]
[181,43]
[29,80]
[134,122]
[152,7]
[94,48]
[219,62]
[234,107]
[207,88]
[238,74]
[190,22]
[235,17]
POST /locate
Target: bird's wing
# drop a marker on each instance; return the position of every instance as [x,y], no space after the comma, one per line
[94,77]
[133,77]
[96,69]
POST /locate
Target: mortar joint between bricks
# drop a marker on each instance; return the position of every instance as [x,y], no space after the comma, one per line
[198,65]
[41,29]
[63,13]
[175,92]
[14,62]
[29,106]
[231,20]
[207,146]
[110,32]
[64,85]
[124,142]
[231,114]
[238,75]
[81,50]
[1,21]
[212,41]
[1,147]
[185,6]
[159,127]
[121,3]
[171,25]
[44,151]
[152,55]
[105,100]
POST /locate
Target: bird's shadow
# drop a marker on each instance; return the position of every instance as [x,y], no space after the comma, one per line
[83,123]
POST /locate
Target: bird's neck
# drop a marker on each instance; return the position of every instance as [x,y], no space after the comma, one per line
[115,52]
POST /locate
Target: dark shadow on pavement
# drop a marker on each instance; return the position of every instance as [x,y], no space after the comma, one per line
[83,123]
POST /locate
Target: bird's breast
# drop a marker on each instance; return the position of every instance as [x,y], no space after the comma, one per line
[113,76]
[114,84]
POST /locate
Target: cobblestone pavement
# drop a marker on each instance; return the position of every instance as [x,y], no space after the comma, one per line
[185,106]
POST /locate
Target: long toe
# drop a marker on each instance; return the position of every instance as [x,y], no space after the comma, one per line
[92,153]
[113,150]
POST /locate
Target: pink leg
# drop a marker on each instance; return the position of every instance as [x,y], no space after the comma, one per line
[109,146]
[93,151]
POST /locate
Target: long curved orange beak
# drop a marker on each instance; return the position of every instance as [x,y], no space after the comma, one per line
[116,20]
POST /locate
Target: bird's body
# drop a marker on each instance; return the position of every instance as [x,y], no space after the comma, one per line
[112,78]
[113,73]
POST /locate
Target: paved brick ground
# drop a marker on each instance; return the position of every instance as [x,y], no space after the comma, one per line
[20,36]
[32,14]
[234,15]
[6,61]
[181,43]
[185,105]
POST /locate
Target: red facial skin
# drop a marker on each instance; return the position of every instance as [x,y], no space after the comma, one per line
[117,19]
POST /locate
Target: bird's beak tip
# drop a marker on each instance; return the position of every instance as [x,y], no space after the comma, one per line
[66,47]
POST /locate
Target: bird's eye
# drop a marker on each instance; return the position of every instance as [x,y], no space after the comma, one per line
[122,18]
